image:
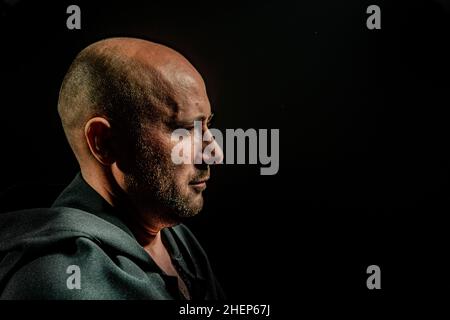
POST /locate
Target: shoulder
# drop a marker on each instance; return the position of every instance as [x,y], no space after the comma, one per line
[79,269]
[44,252]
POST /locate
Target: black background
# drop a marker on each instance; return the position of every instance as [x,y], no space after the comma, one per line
[364,167]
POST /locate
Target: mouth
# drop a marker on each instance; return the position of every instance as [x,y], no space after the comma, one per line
[200,184]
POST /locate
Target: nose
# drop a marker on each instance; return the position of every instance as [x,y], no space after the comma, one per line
[212,149]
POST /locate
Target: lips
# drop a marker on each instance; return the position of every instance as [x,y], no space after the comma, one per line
[200,180]
[200,184]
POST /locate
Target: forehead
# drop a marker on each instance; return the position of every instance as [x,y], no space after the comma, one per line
[190,99]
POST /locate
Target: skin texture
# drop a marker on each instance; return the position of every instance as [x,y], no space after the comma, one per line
[135,171]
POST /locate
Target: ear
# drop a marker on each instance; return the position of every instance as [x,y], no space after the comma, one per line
[98,134]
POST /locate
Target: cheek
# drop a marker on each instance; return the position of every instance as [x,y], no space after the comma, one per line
[162,145]
[182,174]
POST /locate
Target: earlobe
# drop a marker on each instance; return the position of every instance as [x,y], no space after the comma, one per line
[97,133]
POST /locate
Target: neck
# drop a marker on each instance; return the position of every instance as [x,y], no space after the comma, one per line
[146,229]
[145,224]
[100,182]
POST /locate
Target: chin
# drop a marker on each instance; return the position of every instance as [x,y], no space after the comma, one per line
[189,207]
[196,206]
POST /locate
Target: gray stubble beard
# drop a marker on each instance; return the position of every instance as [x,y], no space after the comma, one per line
[152,182]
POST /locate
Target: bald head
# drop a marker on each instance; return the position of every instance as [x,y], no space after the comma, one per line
[127,81]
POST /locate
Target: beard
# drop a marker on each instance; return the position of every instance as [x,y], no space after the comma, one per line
[152,184]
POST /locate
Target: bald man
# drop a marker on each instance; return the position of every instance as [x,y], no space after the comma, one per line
[116,231]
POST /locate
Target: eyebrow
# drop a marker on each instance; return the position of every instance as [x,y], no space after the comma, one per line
[199,118]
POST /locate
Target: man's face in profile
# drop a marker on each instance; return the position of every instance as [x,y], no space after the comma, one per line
[154,180]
